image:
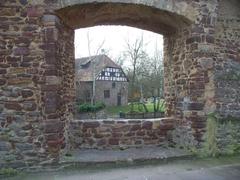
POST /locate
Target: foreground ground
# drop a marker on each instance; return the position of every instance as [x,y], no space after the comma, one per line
[201,169]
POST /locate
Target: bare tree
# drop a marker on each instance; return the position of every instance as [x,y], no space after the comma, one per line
[147,76]
[134,52]
[96,52]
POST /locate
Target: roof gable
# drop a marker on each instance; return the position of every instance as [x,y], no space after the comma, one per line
[84,67]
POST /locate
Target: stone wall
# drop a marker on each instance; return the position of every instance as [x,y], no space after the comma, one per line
[37,63]
[227,61]
[188,57]
[36,87]
[117,133]
[21,75]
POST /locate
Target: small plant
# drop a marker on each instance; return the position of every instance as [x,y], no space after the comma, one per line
[86,107]
[210,147]
[8,172]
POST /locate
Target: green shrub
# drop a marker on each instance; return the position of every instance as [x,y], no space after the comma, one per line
[87,107]
[210,145]
[8,172]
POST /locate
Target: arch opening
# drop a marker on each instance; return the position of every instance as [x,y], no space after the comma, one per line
[169,24]
[139,16]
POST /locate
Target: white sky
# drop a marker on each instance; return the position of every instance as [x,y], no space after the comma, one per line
[114,38]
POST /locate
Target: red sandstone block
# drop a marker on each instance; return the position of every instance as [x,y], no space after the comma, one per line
[51,102]
[13,59]
[3,71]
[2,82]
[27,126]
[101,142]
[50,57]
[147,125]
[166,127]
[197,29]
[116,135]
[30,28]
[98,136]
[87,135]
[113,141]
[29,106]
[135,127]
[13,106]
[50,20]
[198,124]
[123,128]
[4,65]
[210,39]
[27,93]
[130,134]
[93,124]
[22,41]
[162,133]
[34,11]
[195,106]
[53,116]
[140,133]
[53,126]
[53,137]
[193,39]
[56,143]
[50,87]
[19,51]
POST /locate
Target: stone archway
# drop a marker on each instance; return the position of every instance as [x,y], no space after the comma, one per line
[201,40]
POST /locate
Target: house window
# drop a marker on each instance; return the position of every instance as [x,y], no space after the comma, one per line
[106,93]
[87,95]
[113,84]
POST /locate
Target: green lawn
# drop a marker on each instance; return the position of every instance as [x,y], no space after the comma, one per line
[136,108]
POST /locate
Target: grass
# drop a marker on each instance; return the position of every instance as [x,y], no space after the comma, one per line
[136,108]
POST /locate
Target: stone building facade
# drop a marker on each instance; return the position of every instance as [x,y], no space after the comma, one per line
[37,89]
[111,83]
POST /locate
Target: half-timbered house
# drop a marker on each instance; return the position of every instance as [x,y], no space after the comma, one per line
[111,83]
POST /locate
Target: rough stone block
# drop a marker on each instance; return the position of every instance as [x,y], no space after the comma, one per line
[29,106]
[27,93]
[4,146]
[113,141]
[51,102]
[147,125]
[53,126]
[21,51]
[90,124]
[13,106]
[2,82]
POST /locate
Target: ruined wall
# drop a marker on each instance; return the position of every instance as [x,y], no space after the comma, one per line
[117,134]
[227,60]
[37,64]
[188,63]
[35,84]
[21,75]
